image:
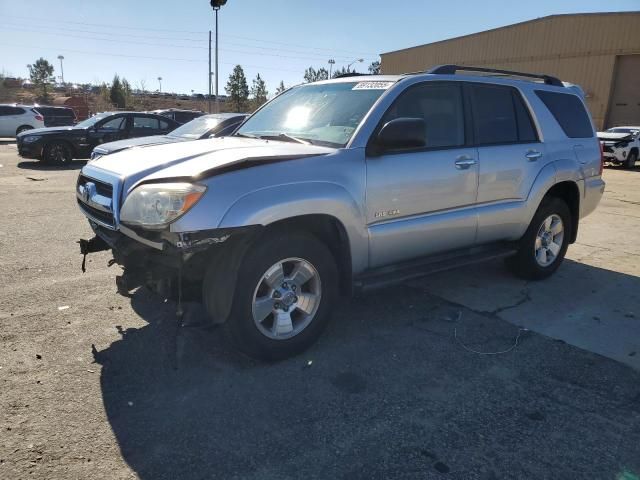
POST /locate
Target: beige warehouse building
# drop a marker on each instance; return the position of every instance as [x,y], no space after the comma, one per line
[598,51]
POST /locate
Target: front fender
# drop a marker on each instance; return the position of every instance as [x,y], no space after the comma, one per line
[280,202]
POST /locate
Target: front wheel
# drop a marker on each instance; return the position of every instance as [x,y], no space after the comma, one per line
[57,153]
[545,243]
[631,160]
[285,291]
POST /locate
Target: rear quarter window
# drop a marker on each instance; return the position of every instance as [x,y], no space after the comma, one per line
[569,112]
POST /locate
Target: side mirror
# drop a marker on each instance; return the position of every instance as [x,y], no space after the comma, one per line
[402,133]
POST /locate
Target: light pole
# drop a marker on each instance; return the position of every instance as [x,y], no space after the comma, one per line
[332,62]
[216,5]
[160,82]
[357,60]
[61,58]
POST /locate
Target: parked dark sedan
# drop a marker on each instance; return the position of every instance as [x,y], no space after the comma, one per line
[59,145]
[207,126]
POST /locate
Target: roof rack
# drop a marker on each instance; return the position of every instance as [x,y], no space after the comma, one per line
[452,69]
[351,74]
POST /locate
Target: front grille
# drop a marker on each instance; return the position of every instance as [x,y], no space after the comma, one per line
[102,188]
[607,149]
[96,214]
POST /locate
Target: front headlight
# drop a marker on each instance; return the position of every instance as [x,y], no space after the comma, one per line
[31,138]
[155,205]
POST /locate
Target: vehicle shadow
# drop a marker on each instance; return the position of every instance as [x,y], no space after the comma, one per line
[7,141]
[387,392]
[620,167]
[41,166]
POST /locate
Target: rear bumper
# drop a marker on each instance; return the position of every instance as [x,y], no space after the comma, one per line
[593,191]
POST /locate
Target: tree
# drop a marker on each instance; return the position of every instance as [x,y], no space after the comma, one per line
[313,75]
[237,88]
[281,88]
[116,94]
[41,73]
[342,71]
[259,91]
[374,68]
[126,92]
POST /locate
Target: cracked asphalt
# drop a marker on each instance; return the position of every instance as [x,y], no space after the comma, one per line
[95,385]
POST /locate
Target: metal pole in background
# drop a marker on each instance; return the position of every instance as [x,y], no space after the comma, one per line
[217,101]
[209,73]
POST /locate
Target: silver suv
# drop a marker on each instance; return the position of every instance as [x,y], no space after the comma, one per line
[344,185]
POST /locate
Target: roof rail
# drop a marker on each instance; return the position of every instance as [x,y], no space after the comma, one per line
[452,69]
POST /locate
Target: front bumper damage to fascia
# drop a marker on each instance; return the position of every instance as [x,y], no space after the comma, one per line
[156,258]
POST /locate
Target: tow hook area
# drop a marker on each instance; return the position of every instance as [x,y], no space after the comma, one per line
[96,244]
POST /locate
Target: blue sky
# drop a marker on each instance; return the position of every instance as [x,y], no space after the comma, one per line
[144,39]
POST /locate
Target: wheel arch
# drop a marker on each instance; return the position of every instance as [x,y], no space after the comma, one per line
[26,126]
[569,192]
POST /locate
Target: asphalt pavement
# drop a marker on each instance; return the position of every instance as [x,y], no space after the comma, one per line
[469,374]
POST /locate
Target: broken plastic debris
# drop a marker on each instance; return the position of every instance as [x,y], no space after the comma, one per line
[63,307]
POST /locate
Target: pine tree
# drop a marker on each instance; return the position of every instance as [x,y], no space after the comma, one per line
[281,88]
[259,91]
[313,75]
[41,73]
[116,94]
[237,88]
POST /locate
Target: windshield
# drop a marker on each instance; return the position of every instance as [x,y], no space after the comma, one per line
[90,122]
[197,127]
[321,114]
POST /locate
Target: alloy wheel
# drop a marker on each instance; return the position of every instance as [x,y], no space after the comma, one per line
[286,299]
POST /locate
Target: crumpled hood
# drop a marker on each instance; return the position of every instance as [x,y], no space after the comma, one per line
[112,147]
[196,159]
[614,136]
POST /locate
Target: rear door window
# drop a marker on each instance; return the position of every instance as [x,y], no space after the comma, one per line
[569,112]
[494,114]
[145,123]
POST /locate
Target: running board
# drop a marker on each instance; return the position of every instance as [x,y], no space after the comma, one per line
[397,273]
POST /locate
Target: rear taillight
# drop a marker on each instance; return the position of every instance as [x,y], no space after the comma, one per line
[601,158]
[40,118]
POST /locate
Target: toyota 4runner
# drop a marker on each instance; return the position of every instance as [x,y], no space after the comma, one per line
[344,185]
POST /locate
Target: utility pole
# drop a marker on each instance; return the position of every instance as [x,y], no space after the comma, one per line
[216,5]
[332,62]
[160,82]
[209,74]
[61,58]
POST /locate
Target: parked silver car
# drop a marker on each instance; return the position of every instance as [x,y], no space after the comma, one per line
[348,184]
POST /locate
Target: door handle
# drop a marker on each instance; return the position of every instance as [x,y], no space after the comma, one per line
[533,155]
[464,161]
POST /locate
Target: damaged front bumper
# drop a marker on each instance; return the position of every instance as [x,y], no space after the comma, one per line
[157,259]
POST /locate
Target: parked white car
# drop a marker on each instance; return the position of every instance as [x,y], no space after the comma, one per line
[15,119]
[621,145]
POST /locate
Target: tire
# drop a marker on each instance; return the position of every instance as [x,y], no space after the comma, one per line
[540,254]
[281,323]
[57,153]
[631,160]
[23,128]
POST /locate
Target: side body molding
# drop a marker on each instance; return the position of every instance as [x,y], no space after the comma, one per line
[280,202]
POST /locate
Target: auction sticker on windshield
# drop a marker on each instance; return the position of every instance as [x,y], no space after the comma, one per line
[372,85]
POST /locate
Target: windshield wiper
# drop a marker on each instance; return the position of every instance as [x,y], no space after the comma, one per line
[285,137]
[245,135]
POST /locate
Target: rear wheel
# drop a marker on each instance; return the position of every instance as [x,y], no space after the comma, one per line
[57,153]
[631,160]
[285,291]
[23,128]
[545,243]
